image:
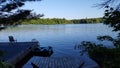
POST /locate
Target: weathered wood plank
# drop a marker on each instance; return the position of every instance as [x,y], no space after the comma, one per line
[55,62]
[17,53]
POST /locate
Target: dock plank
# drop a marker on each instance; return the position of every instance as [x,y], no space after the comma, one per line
[16,52]
[54,62]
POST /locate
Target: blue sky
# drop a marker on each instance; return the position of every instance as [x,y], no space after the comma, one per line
[69,9]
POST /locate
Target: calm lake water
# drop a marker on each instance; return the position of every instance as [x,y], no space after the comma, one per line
[62,38]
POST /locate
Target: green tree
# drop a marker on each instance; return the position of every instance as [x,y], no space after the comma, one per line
[10,17]
[112,13]
[104,56]
[10,14]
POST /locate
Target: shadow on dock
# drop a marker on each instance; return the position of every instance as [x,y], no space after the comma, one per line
[40,51]
[18,53]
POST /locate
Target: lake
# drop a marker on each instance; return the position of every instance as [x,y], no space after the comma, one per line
[62,38]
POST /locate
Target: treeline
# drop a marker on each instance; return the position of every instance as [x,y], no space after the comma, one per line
[61,21]
[89,20]
[47,21]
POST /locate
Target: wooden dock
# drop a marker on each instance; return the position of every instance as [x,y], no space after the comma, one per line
[53,62]
[17,53]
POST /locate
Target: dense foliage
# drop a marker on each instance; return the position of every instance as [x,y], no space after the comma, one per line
[61,21]
[6,65]
[10,12]
[46,21]
[104,56]
[87,20]
[112,18]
